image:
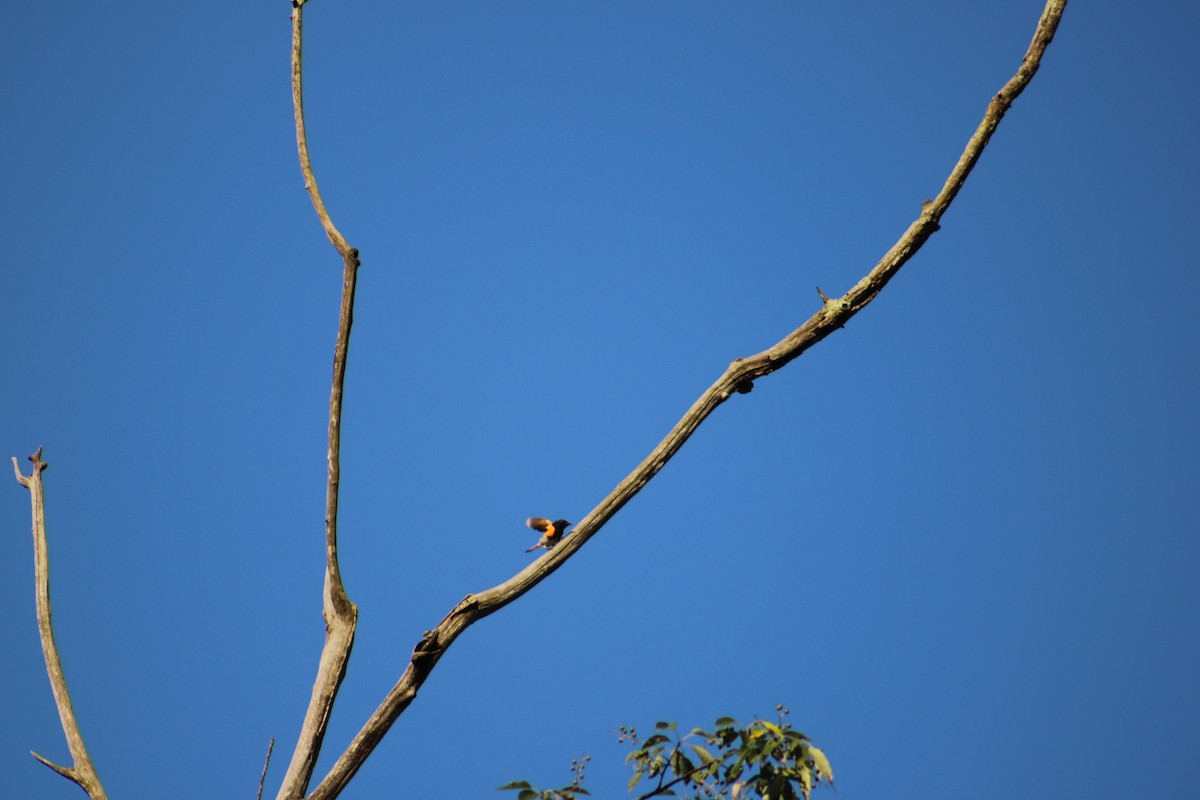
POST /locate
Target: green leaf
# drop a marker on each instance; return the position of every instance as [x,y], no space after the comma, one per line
[656,738]
[705,756]
[664,726]
[781,786]
[771,726]
[637,777]
[806,781]
[822,763]
[527,794]
[515,785]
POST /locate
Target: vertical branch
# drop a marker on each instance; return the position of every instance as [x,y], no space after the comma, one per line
[83,771]
[263,778]
[340,614]
[310,182]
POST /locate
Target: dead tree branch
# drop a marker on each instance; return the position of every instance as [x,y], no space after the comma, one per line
[738,378]
[341,615]
[262,779]
[83,771]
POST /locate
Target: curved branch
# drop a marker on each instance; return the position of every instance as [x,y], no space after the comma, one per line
[310,181]
[83,771]
[341,615]
[738,378]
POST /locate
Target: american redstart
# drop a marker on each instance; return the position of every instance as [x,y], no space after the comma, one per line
[551,532]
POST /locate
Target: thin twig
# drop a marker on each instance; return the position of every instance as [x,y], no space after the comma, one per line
[830,317]
[83,771]
[664,788]
[263,778]
[341,615]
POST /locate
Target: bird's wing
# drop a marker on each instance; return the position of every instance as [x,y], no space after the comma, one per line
[539,524]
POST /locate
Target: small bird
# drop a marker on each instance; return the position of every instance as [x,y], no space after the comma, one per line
[551,532]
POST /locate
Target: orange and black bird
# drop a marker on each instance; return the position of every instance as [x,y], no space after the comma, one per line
[551,532]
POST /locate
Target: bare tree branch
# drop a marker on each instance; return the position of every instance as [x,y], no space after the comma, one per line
[737,378]
[310,182]
[83,771]
[341,615]
[266,763]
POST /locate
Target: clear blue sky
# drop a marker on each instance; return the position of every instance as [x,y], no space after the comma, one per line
[958,538]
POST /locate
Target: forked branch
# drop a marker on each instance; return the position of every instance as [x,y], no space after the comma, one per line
[341,616]
[738,378]
[83,771]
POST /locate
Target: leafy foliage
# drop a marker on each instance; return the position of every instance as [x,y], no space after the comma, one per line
[760,761]
[572,791]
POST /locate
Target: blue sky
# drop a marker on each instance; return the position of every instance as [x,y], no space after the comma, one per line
[957,539]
